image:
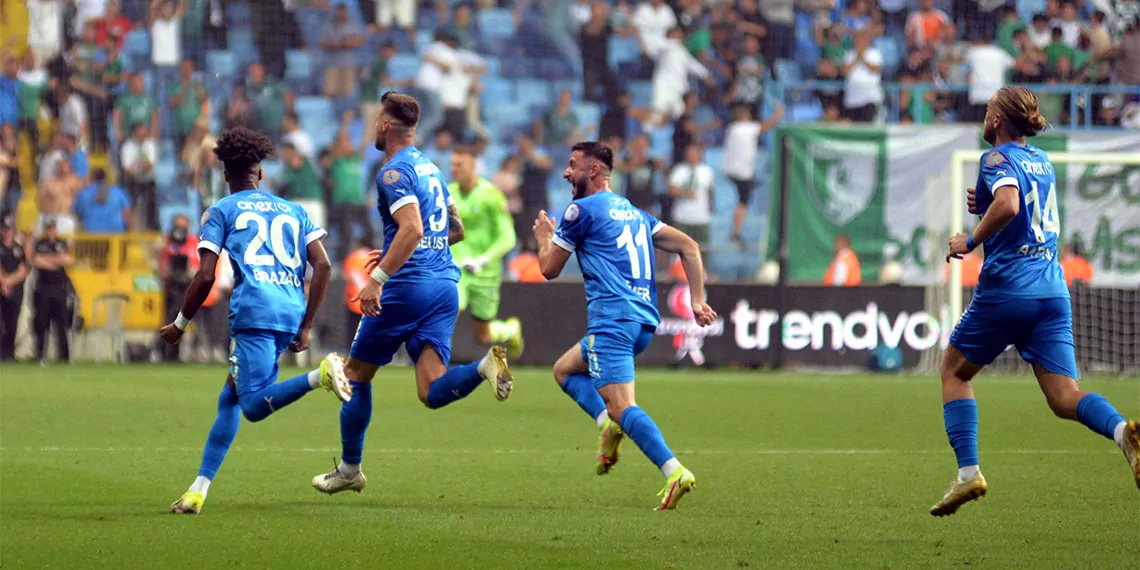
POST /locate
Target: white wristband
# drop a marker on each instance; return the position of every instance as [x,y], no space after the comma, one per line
[380,276]
[181,322]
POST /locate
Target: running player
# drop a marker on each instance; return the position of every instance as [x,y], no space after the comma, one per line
[614,241]
[419,301]
[268,241]
[489,236]
[1021,298]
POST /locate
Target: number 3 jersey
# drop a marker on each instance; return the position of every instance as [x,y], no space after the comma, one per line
[408,178]
[614,243]
[1021,259]
[267,240]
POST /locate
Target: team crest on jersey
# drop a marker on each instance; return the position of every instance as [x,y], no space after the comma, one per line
[571,213]
[205,216]
[994,158]
[391,177]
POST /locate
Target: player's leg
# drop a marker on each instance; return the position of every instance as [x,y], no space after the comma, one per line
[254,369]
[222,434]
[572,374]
[484,306]
[744,198]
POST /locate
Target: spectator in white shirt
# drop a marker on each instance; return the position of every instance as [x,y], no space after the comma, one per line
[1040,33]
[741,143]
[987,65]
[88,10]
[863,86]
[671,75]
[439,59]
[45,29]
[455,93]
[690,186]
[165,19]
[1069,24]
[401,13]
[653,20]
[138,157]
[291,127]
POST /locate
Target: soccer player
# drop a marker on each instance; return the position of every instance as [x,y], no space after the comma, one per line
[411,298]
[614,241]
[1021,298]
[489,235]
[268,241]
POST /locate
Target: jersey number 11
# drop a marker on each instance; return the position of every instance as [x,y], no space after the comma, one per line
[632,245]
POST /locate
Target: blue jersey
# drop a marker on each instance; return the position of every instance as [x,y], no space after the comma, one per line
[1021,260]
[614,244]
[267,241]
[410,178]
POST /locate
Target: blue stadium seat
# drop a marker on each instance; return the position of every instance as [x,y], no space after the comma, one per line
[424,36]
[623,50]
[221,62]
[640,93]
[312,22]
[533,92]
[1026,9]
[805,112]
[314,112]
[552,69]
[514,67]
[238,14]
[403,66]
[271,170]
[507,115]
[241,44]
[298,65]
[787,70]
[892,55]
[494,66]
[493,157]
[497,90]
[496,22]
[588,114]
[137,42]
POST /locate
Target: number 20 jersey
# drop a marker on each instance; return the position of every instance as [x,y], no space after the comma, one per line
[613,241]
[1021,259]
[267,240]
[411,178]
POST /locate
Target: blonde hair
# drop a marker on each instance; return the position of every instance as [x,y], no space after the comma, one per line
[1017,107]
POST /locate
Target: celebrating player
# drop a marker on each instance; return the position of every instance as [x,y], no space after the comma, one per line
[489,235]
[1021,298]
[268,241]
[418,302]
[614,243]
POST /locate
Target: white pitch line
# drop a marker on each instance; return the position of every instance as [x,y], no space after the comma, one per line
[421,451]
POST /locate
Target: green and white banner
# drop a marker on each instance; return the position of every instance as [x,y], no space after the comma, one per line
[888,188]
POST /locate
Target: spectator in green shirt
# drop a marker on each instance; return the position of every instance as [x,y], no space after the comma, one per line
[186,98]
[33,83]
[1058,49]
[374,81]
[348,206]
[1010,24]
[135,107]
[559,127]
[268,100]
[301,183]
[89,61]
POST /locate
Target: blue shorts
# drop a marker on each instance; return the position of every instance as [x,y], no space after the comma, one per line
[609,351]
[414,314]
[253,357]
[1041,329]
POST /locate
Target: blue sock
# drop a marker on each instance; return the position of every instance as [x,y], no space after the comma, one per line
[355,415]
[456,384]
[1098,415]
[640,428]
[961,417]
[260,404]
[581,389]
[222,433]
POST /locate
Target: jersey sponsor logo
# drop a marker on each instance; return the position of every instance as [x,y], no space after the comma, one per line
[426,169]
[390,177]
[625,215]
[263,206]
[571,213]
[842,177]
[994,158]
[1038,168]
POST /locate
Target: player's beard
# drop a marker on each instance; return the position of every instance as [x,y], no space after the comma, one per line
[989,133]
[580,187]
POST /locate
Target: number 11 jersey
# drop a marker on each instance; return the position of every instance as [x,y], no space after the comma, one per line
[411,178]
[1021,260]
[267,240]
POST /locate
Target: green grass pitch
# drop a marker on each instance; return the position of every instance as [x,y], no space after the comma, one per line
[794,471]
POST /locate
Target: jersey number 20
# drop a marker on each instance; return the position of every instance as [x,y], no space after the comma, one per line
[1042,222]
[275,237]
[632,246]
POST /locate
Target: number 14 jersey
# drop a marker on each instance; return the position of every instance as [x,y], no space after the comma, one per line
[267,240]
[1021,260]
[408,178]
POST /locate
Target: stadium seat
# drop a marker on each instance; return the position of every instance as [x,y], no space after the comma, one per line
[805,112]
[589,114]
[640,93]
[497,22]
[552,69]
[221,62]
[787,70]
[623,50]
[533,92]
[298,65]
[494,66]
[497,89]
[892,55]
[314,112]
[241,44]
[1026,9]
[514,67]
[493,157]
[238,14]
[403,66]
[507,115]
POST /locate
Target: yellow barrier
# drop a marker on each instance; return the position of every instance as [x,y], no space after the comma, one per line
[124,264]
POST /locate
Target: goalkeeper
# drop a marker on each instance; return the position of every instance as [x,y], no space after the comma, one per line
[490,236]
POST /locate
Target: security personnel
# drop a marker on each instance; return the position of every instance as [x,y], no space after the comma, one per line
[13,271]
[179,263]
[51,257]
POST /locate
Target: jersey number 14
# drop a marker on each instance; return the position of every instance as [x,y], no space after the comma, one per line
[1045,221]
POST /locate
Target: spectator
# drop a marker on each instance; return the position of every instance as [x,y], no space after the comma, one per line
[54,198]
[951,51]
[690,186]
[51,257]
[300,183]
[1100,43]
[463,28]
[239,111]
[439,59]
[373,81]
[455,94]
[401,13]
[1058,50]
[863,85]
[440,150]
[102,207]
[987,65]
[13,272]
[580,14]
[1010,24]
[178,264]
[1068,23]
[165,19]
[844,269]
[45,29]
[1076,268]
[507,180]
[10,88]
[855,18]
[348,206]
[653,20]
[274,28]
[535,175]
[1030,65]
[112,28]
[559,126]
[187,97]
[65,148]
[112,78]
[924,27]
[341,40]
[741,143]
[10,188]
[87,12]
[301,141]
[1039,32]
[671,75]
[971,270]
[33,83]
[209,180]
[203,29]
[268,100]
[748,76]
[1128,55]
[779,18]
[598,81]
[686,131]
[615,120]
[640,176]
[1108,116]
[88,62]
[138,157]
[135,108]
[72,117]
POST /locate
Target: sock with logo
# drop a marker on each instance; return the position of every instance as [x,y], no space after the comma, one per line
[644,432]
[581,389]
[456,384]
[1098,415]
[260,404]
[222,433]
[961,418]
[355,415]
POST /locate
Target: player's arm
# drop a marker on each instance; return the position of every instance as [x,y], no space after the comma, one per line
[407,239]
[999,213]
[455,230]
[672,240]
[1005,207]
[318,284]
[551,259]
[505,238]
[554,249]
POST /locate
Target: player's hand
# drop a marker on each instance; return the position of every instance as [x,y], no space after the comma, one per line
[374,258]
[369,297]
[170,333]
[957,246]
[703,314]
[300,342]
[543,227]
[972,201]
